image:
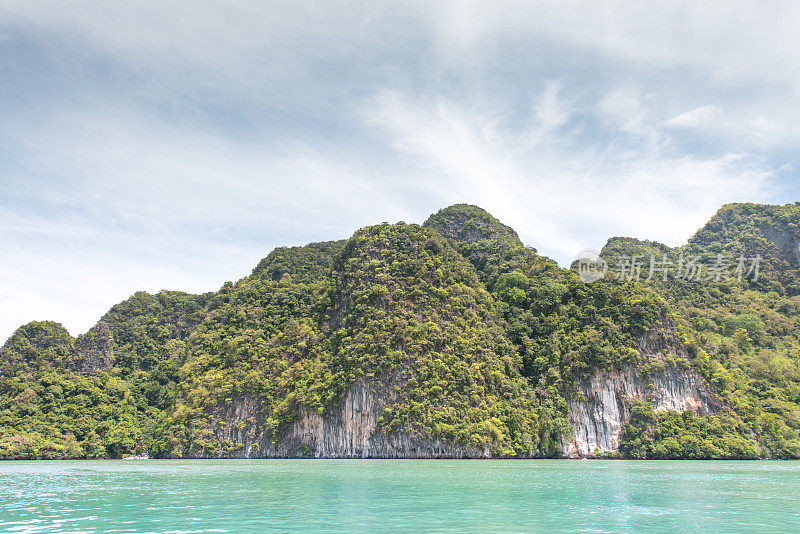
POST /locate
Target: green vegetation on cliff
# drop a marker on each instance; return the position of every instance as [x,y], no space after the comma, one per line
[47,410]
[102,394]
[773,232]
[474,339]
[744,337]
[398,305]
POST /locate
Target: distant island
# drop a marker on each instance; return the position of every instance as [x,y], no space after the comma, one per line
[447,340]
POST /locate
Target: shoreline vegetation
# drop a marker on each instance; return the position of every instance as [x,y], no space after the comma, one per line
[610,457]
[456,337]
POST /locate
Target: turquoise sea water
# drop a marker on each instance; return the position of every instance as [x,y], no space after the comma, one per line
[399,496]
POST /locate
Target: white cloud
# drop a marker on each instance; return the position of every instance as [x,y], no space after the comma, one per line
[549,109]
[141,205]
[696,117]
[149,144]
[562,196]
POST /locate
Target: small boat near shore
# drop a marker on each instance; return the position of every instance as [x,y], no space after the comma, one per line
[136,457]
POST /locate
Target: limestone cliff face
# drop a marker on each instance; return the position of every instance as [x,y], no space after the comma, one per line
[94,350]
[347,432]
[601,405]
[597,413]
[786,241]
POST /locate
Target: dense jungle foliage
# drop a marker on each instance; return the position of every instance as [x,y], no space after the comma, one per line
[474,338]
[744,338]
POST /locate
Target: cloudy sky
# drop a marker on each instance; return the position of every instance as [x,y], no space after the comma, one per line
[170,145]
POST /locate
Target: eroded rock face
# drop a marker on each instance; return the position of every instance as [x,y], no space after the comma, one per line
[597,413]
[348,432]
[94,350]
[602,405]
[785,241]
[598,410]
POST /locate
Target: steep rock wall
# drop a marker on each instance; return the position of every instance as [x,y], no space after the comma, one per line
[602,404]
[599,407]
[349,431]
[597,412]
[94,351]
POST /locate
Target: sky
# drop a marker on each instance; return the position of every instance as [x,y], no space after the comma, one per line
[156,145]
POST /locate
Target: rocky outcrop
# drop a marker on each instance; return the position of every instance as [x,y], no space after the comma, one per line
[94,351]
[785,241]
[601,406]
[597,411]
[349,431]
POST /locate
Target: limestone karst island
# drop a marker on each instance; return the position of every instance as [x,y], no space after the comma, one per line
[430,266]
[447,340]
